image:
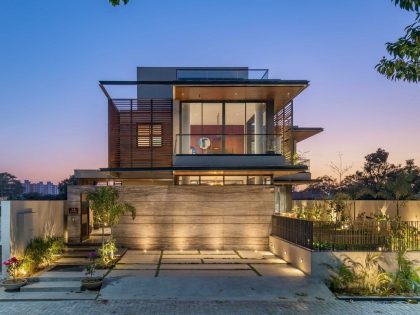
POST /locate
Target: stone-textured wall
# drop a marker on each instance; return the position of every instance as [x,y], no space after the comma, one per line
[191,217]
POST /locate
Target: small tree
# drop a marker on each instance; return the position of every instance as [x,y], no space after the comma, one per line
[399,189]
[107,209]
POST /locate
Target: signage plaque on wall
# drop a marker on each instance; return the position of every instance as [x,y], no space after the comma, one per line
[73,211]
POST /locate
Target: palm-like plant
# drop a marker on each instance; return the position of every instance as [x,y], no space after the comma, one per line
[107,209]
[399,189]
[361,278]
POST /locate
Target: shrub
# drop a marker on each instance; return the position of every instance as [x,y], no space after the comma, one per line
[107,252]
[41,251]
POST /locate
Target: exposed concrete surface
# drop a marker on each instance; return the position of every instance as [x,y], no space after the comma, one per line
[214,288]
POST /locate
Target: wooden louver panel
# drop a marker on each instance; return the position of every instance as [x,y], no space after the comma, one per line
[144,137]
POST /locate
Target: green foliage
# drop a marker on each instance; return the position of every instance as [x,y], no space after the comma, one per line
[406,279]
[107,253]
[338,205]
[91,266]
[404,61]
[356,278]
[41,251]
[107,209]
[118,2]
[62,186]
[369,278]
[10,187]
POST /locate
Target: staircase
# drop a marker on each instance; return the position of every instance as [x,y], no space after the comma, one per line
[65,275]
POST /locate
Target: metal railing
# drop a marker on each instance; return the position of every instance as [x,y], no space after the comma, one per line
[222,74]
[227,144]
[357,236]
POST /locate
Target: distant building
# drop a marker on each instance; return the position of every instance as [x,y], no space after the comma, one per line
[44,189]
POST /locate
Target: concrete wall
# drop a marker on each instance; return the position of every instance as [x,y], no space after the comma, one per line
[24,220]
[409,210]
[204,217]
[316,263]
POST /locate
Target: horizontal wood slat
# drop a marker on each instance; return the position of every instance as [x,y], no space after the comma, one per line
[140,133]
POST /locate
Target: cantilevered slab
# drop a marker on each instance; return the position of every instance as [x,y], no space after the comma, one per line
[281,94]
[302,133]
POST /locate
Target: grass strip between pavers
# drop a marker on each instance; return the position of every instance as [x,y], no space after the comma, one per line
[237,253]
[255,270]
[158,265]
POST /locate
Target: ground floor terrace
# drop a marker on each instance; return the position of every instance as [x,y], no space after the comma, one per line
[187,282]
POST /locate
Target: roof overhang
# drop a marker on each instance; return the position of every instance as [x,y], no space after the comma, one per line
[302,133]
[279,91]
[281,94]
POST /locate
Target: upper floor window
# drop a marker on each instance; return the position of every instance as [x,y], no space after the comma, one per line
[149,135]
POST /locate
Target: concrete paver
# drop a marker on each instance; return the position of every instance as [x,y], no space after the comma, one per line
[217,252]
[160,307]
[243,261]
[206,266]
[181,261]
[135,266]
[213,285]
[280,270]
[139,259]
[131,273]
[181,252]
[206,273]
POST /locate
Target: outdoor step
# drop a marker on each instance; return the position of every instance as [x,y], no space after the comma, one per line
[84,249]
[52,286]
[75,254]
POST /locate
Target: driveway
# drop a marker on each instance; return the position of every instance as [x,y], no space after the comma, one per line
[209,275]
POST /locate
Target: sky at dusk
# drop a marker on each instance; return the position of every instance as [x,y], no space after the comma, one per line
[53,53]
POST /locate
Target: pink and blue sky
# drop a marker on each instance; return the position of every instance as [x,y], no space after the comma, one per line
[52,54]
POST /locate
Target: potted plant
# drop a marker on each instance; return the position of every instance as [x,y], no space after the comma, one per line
[13,283]
[91,282]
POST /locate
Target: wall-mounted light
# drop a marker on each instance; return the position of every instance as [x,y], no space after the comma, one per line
[301,260]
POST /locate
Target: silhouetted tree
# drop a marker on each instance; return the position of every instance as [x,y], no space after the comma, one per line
[403,62]
[10,187]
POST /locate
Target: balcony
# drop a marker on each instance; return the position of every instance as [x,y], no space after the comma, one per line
[227,144]
[222,74]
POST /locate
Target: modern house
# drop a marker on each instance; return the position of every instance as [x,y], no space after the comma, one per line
[206,155]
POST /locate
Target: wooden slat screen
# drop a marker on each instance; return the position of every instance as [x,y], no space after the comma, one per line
[283,125]
[140,133]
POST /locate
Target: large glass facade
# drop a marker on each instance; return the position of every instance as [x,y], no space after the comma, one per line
[224,128]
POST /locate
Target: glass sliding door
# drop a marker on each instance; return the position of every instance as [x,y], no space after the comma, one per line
[234,128]
[256,128]
[223,128]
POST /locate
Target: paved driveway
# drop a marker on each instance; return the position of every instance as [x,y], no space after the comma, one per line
[209,275]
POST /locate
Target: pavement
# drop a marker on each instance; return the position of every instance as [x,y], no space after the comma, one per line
[193,282]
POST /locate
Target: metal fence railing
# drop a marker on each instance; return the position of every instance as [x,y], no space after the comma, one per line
[355,236]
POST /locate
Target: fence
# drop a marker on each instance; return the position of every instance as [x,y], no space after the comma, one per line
[358,236]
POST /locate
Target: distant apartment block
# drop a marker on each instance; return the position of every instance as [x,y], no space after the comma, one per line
[44,189]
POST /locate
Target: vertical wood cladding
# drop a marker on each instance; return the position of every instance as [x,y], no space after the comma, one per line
[125,115]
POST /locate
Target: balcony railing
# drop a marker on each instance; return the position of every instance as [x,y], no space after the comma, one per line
[222,74]
[227,144]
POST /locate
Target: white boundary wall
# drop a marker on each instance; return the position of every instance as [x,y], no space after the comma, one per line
[315,263]
[22,220]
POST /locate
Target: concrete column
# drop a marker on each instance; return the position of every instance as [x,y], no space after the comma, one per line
[259,128]
[185,129]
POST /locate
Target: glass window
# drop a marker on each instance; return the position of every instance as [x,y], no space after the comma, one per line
[234,128]
[211,180]
[256,128]
[235,180]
